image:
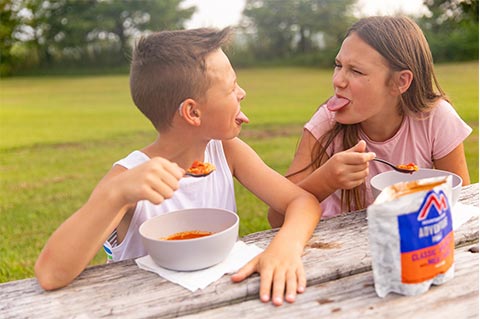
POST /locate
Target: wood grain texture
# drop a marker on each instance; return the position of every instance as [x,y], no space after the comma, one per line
[337,263]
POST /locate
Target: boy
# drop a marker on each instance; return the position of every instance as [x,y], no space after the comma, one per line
[184,84]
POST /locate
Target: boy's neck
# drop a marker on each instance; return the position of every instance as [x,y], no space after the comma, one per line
[181,150]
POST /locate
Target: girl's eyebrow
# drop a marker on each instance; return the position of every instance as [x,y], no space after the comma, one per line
[349,63]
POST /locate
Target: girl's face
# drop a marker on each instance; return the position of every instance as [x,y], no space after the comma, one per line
[362,75]
[221,115]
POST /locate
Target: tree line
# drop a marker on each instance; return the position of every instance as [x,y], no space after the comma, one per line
[45,35]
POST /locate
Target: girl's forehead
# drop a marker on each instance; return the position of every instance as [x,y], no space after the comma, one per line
[356,51]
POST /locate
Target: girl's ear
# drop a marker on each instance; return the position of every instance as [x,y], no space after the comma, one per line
[404,79]
[190,112]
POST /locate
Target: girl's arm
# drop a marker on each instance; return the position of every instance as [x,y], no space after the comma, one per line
[344,170]
[455,162]
[73,245]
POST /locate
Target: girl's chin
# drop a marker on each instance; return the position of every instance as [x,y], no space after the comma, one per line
[339,118]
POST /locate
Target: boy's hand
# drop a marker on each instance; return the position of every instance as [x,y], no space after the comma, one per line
[281,273]
[155,181]
[348,169]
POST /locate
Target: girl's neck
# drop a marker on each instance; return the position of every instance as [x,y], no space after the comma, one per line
[382,129]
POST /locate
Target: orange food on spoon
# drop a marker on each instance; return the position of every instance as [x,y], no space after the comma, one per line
[201,168]
[409,166]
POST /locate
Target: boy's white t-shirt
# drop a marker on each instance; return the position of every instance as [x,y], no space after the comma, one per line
[213,191]
[420,140]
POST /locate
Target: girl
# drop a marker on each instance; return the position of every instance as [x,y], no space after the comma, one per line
[387,103]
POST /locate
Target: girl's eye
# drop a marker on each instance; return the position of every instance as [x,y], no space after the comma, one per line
[337,65]
[357,72]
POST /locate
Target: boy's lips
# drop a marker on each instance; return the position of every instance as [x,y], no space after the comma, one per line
[336,103]
[241,118]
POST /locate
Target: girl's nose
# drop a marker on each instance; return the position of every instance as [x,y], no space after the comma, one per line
[339,79]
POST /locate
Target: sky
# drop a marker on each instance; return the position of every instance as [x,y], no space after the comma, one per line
[222,13]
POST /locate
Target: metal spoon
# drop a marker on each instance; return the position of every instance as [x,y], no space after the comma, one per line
[198,168]
[395,167]
[198,175]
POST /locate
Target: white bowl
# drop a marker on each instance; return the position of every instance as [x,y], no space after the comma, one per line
[190,254]
[382,180]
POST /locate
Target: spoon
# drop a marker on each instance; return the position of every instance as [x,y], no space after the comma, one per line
[187,173]
[411,168]
[200,169]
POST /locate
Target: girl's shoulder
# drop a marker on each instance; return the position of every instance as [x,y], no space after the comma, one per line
[443,107]
[322,121]
[441,110]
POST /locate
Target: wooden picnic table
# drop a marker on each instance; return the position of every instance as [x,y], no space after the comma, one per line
[340,285]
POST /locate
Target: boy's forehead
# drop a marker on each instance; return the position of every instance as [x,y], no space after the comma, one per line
[218,64]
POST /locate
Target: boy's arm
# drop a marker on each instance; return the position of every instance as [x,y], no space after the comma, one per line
[73,245]
[280,265]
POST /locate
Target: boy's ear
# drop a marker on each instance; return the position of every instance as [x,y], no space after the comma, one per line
[404,80]
[189,111]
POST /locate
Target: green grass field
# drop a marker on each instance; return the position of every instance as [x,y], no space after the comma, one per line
[59,135]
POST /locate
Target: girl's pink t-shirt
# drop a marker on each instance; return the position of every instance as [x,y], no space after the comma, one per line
[420,140]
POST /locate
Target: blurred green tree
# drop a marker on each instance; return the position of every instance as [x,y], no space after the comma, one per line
[9,23]
[452,29]
[82,33]
[286,28]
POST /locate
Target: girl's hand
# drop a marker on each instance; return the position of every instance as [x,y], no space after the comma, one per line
[348,169]
[155,181]
[281,274]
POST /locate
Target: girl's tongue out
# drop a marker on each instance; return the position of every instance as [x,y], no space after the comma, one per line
[336,103]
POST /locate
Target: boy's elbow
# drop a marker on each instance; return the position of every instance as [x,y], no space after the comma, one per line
[48,279]
[275,219]
[313,203]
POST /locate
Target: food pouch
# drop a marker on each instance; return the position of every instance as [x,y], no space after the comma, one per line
[411,236]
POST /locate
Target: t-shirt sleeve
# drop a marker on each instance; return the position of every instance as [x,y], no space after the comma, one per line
[449,130]
[132,160]
[320,122]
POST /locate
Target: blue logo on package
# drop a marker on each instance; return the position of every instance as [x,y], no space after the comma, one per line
[426,239]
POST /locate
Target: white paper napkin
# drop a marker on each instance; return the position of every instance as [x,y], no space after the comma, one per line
[192,280]
[461,213]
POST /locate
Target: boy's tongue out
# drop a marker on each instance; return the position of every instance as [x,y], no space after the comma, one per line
[241,118]
[336,103]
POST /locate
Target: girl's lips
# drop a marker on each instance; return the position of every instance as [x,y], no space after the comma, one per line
[336,103]
[241,118]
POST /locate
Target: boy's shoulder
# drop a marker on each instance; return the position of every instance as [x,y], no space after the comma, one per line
[133,159]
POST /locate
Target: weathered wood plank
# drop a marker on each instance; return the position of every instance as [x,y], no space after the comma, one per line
[355,297]
[339,248]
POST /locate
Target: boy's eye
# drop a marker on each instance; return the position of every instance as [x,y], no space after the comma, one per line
[337,65]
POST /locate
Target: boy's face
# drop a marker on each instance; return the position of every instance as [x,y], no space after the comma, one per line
[221,115]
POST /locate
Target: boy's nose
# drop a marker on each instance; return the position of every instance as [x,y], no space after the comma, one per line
[241,93]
